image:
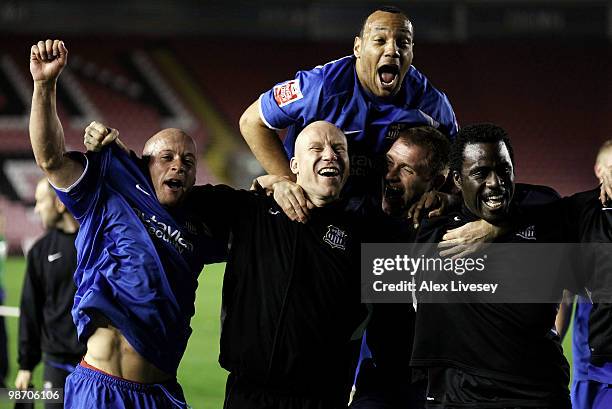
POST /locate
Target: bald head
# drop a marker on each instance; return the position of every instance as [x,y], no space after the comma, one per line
[321,162]
[157,142]
[48,207]
[315,129]
[172,165]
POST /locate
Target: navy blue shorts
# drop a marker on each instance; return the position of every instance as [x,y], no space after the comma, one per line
[87,388]
[591,395]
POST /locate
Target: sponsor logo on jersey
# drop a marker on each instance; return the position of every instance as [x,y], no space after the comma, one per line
[335,237]
[165,232]
[287,93]
[527,234]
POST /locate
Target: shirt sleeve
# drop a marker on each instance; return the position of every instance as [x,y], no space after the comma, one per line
[84,192]
[221,208]
[448,120]
[30,318]
[293,101]
[437,105]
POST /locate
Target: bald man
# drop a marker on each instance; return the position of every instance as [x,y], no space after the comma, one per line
[139,251]
[291,294]
[292,316]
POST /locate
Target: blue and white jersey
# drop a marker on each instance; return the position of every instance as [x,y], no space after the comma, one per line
[137,264]
[332,92]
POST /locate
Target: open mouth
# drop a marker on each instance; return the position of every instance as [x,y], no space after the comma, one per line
[174,184]
[388,74]
[329,172]
[494,202]
[393,192]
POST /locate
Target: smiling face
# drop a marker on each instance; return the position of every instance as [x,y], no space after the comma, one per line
[384,53]
[172,165]
[486,180]
[321,162]
[407,177]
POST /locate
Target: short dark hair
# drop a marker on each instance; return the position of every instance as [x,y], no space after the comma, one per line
[477,133]
[386,9]
[431,140]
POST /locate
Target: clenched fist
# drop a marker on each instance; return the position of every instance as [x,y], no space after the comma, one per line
[47,59]
[98,135]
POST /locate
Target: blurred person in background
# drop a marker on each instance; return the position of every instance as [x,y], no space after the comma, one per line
[590,383]
[45,323]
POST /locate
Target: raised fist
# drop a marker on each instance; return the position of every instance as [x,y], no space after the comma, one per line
[47,59]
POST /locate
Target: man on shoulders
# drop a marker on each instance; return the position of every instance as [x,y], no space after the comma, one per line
[368,95]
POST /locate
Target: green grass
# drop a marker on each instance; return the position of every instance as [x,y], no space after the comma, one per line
[200,375]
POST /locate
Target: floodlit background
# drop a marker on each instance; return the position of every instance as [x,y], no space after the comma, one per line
[541,69]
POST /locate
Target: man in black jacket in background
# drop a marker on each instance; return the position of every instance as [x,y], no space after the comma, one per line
[45,323]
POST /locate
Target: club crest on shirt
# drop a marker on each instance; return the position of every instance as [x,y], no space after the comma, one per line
[393,131]
[528,233]
[335,237]
[191,227]
[287,93]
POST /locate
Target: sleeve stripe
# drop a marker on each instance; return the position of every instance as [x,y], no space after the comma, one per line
[69,188]
[261,115]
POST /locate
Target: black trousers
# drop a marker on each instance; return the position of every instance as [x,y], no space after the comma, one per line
[241,394]
[54,378]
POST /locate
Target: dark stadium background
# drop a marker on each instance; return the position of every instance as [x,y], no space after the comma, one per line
[541,69]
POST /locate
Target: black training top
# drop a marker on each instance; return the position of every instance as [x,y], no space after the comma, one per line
[292,319]
[503,345]
[45,323]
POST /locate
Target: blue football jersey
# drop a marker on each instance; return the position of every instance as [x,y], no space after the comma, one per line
[580,339]
[137,264]
[584,370]
[332,92]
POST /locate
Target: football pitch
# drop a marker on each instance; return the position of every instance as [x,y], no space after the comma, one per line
[200,375]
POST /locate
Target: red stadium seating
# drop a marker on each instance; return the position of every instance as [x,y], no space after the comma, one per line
[553,98]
